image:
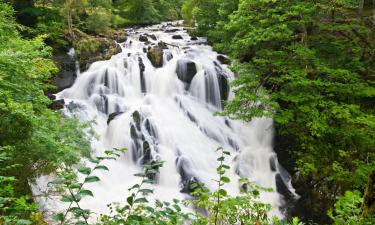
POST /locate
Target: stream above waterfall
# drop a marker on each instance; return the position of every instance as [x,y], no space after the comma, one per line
[158,99]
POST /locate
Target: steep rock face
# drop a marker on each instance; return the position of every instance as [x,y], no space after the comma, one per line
[186,70]
[67,71]
[90,50]
[155,55]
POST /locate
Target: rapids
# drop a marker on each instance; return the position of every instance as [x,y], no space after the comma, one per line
[167,112]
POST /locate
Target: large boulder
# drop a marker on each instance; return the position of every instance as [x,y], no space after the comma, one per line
[155,55]
[186,70]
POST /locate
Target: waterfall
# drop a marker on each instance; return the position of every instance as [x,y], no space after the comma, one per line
[158,99]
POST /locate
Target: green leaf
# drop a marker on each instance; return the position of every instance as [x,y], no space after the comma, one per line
[92,179]
[130,200]
[222,192]
[84,170]
[225,179]
[59,217]
[23,222]
[84,192]
[101,167]
[220,159]
[67,198]
[146,191]
[141,200]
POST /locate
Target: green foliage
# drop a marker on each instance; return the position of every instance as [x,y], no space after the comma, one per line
[309,65]
[73,189]
[33,139]
[137,11]
[348,210]
[98,21]
[218,206]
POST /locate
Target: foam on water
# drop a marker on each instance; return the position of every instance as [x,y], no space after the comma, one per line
[176,119]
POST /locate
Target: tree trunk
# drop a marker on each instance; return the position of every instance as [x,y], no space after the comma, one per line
[360,6]
[368,206]
[70,23]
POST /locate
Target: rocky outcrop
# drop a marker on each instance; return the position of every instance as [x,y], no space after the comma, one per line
[67,72]
[223,59]
[92,49]
[57,104]
[155,55]
[186,70]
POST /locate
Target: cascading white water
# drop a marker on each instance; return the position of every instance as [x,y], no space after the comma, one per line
[167,113]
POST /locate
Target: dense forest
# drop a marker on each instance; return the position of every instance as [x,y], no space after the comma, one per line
[310,65]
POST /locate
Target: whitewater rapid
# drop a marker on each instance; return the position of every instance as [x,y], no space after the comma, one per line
[168,113]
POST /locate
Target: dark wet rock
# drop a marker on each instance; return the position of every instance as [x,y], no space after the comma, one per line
[186,70]
[133,132]
[152,36]
[227,122]
[67,72]
[151,128]
[194,38]
[50,95]
[190,185]
[223,59]
[74,106]
[155,55]
[137,119]
[112,116]
[233,144]
[143,38]
[273,163]
[145,50]
[146,157]
[162,45]
[169,56]
[177,37]
[142,74]
[191,117]
[188,181]
[102,103]
[172,30]
[224,87]
[57,104]
[223,82]
[282,188]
